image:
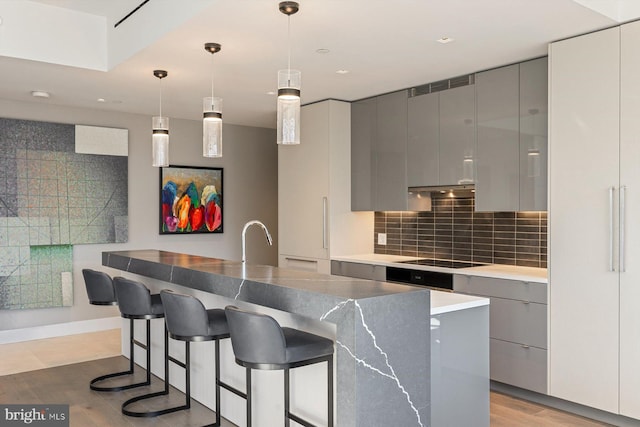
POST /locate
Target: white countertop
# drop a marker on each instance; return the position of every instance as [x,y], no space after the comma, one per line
[446,302]
[498,271]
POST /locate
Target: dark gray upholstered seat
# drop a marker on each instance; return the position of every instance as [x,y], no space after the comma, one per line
[135,300]
[259,342]
[101,291]
[99,287]
[188,320]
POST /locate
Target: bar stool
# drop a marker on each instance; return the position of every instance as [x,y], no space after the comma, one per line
[136,302]
[259,342]
[188,320]
[101,292]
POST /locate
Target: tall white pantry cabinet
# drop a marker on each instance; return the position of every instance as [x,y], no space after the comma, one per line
[315,220]
[594,220]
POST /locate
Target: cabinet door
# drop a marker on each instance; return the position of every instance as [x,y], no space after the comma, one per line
[497,103]
[391,152]
[363,131]
[423,140]
[583,166]
[303,185]
[630,244]
[533,134]
[457,136]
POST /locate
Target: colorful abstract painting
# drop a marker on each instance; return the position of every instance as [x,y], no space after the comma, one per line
[190,200]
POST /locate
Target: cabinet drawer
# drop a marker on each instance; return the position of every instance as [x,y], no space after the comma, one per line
[519,322]
[501,288]
[519,366]
[358,270]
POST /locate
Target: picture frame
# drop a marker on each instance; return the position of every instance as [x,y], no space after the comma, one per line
[191,200]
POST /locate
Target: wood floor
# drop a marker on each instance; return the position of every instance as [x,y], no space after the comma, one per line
[57,370]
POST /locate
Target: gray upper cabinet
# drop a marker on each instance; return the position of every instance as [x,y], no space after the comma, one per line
[423,143]
[390,152]
[498,173]
[533,135]
[363,132]
[379,152]
[512,137]
[457,136]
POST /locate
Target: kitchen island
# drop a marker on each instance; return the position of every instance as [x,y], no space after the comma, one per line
[381,330]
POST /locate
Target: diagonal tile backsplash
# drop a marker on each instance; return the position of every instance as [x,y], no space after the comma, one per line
[452,230]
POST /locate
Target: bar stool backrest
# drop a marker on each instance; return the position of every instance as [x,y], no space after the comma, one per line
[185,315]
[255,337]
[134,298]
[99,287]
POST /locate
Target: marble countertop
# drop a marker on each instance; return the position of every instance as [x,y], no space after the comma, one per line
[498,271]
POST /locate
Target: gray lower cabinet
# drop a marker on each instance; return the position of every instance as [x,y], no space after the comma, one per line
[518,328]
[379,153]
[359,270]
[459,362]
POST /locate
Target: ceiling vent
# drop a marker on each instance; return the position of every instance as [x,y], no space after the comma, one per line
[442,85]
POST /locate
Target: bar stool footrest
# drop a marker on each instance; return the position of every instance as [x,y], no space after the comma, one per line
[300,420]
[115,388]
[151,413]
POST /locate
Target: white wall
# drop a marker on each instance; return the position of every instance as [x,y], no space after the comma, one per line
[250,192]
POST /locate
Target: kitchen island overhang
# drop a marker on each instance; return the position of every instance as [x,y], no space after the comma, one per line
[382,330]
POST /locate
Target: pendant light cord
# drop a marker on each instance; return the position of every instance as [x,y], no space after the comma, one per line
[160,97]
[212,78]
[289,43]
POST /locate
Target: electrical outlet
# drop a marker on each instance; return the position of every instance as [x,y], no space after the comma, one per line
[382,238]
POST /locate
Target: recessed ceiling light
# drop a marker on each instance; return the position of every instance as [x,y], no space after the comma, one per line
[445,40]
[342,71]
[322,50]
[40,94]
[271,92]
[101,100]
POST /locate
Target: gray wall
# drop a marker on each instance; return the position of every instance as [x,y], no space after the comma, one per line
[250,164]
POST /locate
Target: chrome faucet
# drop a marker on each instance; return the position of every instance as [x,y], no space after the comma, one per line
[244,232]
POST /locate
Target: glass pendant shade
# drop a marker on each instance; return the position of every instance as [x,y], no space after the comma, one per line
[212,127]
[160,141]
[289,107]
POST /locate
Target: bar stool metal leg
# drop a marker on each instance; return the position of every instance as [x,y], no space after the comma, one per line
[164,392]
[132,341]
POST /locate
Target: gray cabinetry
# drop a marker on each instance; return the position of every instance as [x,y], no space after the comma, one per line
[533,135]
[497,96]
[378,153]
[423,140]
[359,270]
[390,152]
[518,328]
[363,132]
[512,137]
[457,136]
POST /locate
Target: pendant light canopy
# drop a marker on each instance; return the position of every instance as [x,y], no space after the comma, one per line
[212,118]
[160,126]
[289,90]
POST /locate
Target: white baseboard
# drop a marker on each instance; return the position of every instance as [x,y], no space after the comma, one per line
[60,329]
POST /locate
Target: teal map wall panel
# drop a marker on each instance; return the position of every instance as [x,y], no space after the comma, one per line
[50,199]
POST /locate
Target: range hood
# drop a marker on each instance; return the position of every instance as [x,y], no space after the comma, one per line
[419,198]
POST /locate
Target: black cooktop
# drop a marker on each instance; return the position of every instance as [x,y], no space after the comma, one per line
[443,263]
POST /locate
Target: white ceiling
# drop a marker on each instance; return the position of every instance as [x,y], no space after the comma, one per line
[385,45]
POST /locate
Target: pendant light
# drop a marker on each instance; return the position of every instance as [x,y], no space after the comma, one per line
[160,126]
[289,90]
[212,118]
